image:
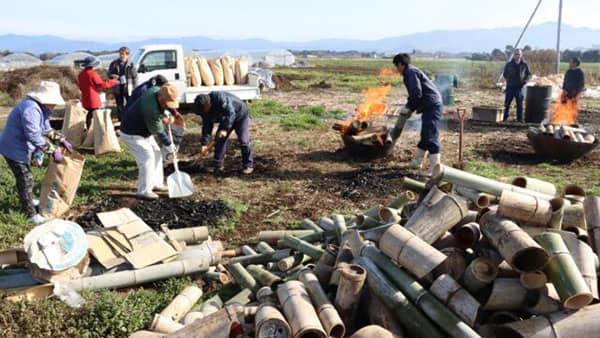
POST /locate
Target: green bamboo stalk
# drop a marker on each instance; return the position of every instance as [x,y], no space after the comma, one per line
[263,258]
[340,226]
[404,198]
[413,185]
[272,236]
[263,276]
[242,276]
[242,298]
[264,247]
[424,300]
[287,263]
[303,246]
[310,225]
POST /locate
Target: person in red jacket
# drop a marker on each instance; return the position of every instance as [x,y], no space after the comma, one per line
[90,85]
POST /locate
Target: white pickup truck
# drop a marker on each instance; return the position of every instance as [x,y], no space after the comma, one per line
[168,61]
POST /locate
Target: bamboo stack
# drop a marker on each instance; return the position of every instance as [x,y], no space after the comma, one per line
[564,132]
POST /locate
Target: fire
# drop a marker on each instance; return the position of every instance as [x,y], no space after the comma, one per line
[565,113]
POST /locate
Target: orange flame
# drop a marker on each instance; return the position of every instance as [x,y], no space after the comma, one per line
[565,112]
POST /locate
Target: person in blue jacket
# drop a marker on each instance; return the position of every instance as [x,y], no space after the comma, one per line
[27,136]
[423,98]
[231,114]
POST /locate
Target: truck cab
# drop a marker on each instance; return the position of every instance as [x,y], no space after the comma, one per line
[168,61]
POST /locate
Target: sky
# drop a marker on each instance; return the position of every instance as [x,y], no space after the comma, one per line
[278,20]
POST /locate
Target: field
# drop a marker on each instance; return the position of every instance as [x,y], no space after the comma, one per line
[301,172]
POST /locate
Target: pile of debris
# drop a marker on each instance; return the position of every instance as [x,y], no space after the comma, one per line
[457,256]
[564,132]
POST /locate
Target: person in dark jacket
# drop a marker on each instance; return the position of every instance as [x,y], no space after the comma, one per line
[516,73]
[574,81]
[145,119]
[424,98]
[231,114]
[124,71]
[90,85]
[140,90]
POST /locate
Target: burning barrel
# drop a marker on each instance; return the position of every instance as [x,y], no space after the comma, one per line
[363,142]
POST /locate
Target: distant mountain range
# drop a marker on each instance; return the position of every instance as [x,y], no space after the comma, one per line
[453,41]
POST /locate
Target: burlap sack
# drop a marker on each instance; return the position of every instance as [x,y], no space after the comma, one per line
[60,184]
[88,141]
[105,138]
[241,71]
[196,78]
[74,123]
[207,76]
[228,63]
[217,71]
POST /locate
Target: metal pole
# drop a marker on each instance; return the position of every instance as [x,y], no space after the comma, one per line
[560,7]
[521,36]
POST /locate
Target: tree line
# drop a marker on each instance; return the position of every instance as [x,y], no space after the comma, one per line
[497,54]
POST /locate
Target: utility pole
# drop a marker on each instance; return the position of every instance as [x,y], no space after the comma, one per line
[560,7]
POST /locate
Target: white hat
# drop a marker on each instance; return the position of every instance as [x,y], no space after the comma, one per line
[48,92]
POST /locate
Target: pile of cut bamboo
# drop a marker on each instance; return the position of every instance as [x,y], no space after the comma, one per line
[564,132]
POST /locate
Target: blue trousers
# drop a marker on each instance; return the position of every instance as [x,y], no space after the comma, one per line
[242,129]
[430,129]
[517,94]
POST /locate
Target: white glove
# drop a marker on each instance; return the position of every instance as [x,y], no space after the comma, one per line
[122,79]
[171,148]
[405,111]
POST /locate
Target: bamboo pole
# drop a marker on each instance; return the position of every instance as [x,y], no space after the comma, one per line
[310,225]
[263,248]
[447,290]
[516,246]
[298,309]
[248,251]
[409,316]
[390,215]
[574,193]
[413,185]
[242,277]
[263,276]
[479,199]
[380,315]
[217,276]
[324,266]
[423,299]
[289,262]
[574,217]
[410,251]
[524,208]
[351,281]
[268,319]
[506,294]
[221,324]
[564,274]
[262,258]
[209,306]
[190,235]
[447,240]
[365,221]
[241,298]
[486,185]
[533,280]
[272,236]
[402,200]
[331,320]
[467,235]
[163,324]
[591,207]
[558,211]
[535,185]
[182,303]
[303,246]
[480,273]
[327,224]
[340,226]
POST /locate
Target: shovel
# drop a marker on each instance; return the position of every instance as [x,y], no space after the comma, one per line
[179,183]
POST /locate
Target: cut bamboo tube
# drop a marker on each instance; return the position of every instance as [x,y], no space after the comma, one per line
[579,324]
[263,276]
[447,240]
[242,277]
[515,245]
[412,185]
[535,185]
[467,235]
[343,258]
[479,199]
[263,247]
[272,236]
[407,314]
[574,193]
[340,226]
[589,138]
[564,274]
[402,200]
[351,281]
[506,294]
[148,274]
[303,246]
[217,276]
[542,301]
[455,263]
[241,298]
[366,222]
[480,273]
[507,271]
[331,320]
[373,331]
[524,208]
[221,324]
[433,218]
[380,315]
[190,235]
[446,289]
[211,305]
[146,334]
[287,263]
[470,217]
[390,215]
[574,217]
[269,320]
[533,280]
[262,258]
[310,225]
[327,224]
[410,251]
[164,325]
[584,258]
[486,185]
[558,210]
[581,234]
[248,251]
[324,266]
[182,303]
[298,309]
[591,207]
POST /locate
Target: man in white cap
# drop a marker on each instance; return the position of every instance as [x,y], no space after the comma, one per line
[27,136]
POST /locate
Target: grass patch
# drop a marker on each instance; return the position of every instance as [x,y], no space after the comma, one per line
[301,121]
[4,99]
[491,170]
[263,108]
[227,224]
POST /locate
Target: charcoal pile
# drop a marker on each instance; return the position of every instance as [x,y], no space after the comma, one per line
[177,213]
[89,221]
[365,181]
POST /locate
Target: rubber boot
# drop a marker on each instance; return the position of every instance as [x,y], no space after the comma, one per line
[417,161]
[433,161]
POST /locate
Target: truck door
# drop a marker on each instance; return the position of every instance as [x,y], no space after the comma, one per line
[163,62]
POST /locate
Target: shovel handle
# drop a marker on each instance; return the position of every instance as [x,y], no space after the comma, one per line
[174,153]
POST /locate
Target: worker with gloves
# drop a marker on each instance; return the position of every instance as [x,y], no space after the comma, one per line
[232,114]
[123,70]
[27,137]
[574,81]
[143,120]
[90,85]
[425,99]
[140,90]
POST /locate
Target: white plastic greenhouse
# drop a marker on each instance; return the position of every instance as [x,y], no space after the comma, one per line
[18,60]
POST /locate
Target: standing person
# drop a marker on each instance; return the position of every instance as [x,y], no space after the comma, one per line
[425,99]
[574,81]
[124,71]
[232,114]
[145,119]
[140,90]
[27,136]
[516,73]
[90,85]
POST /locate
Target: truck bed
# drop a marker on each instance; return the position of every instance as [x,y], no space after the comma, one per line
[244,92]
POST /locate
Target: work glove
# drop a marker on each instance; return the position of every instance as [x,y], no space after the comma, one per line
[222,134]
[37,158]
[171,148]
[55,136]
[204,151]
[122,80]
[67,145]
[58,156]
[405,111]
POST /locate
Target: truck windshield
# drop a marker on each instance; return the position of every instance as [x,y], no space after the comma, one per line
[135,59]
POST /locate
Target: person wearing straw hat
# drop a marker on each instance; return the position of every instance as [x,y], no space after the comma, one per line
[27,136]
[90,85]
[143,120]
